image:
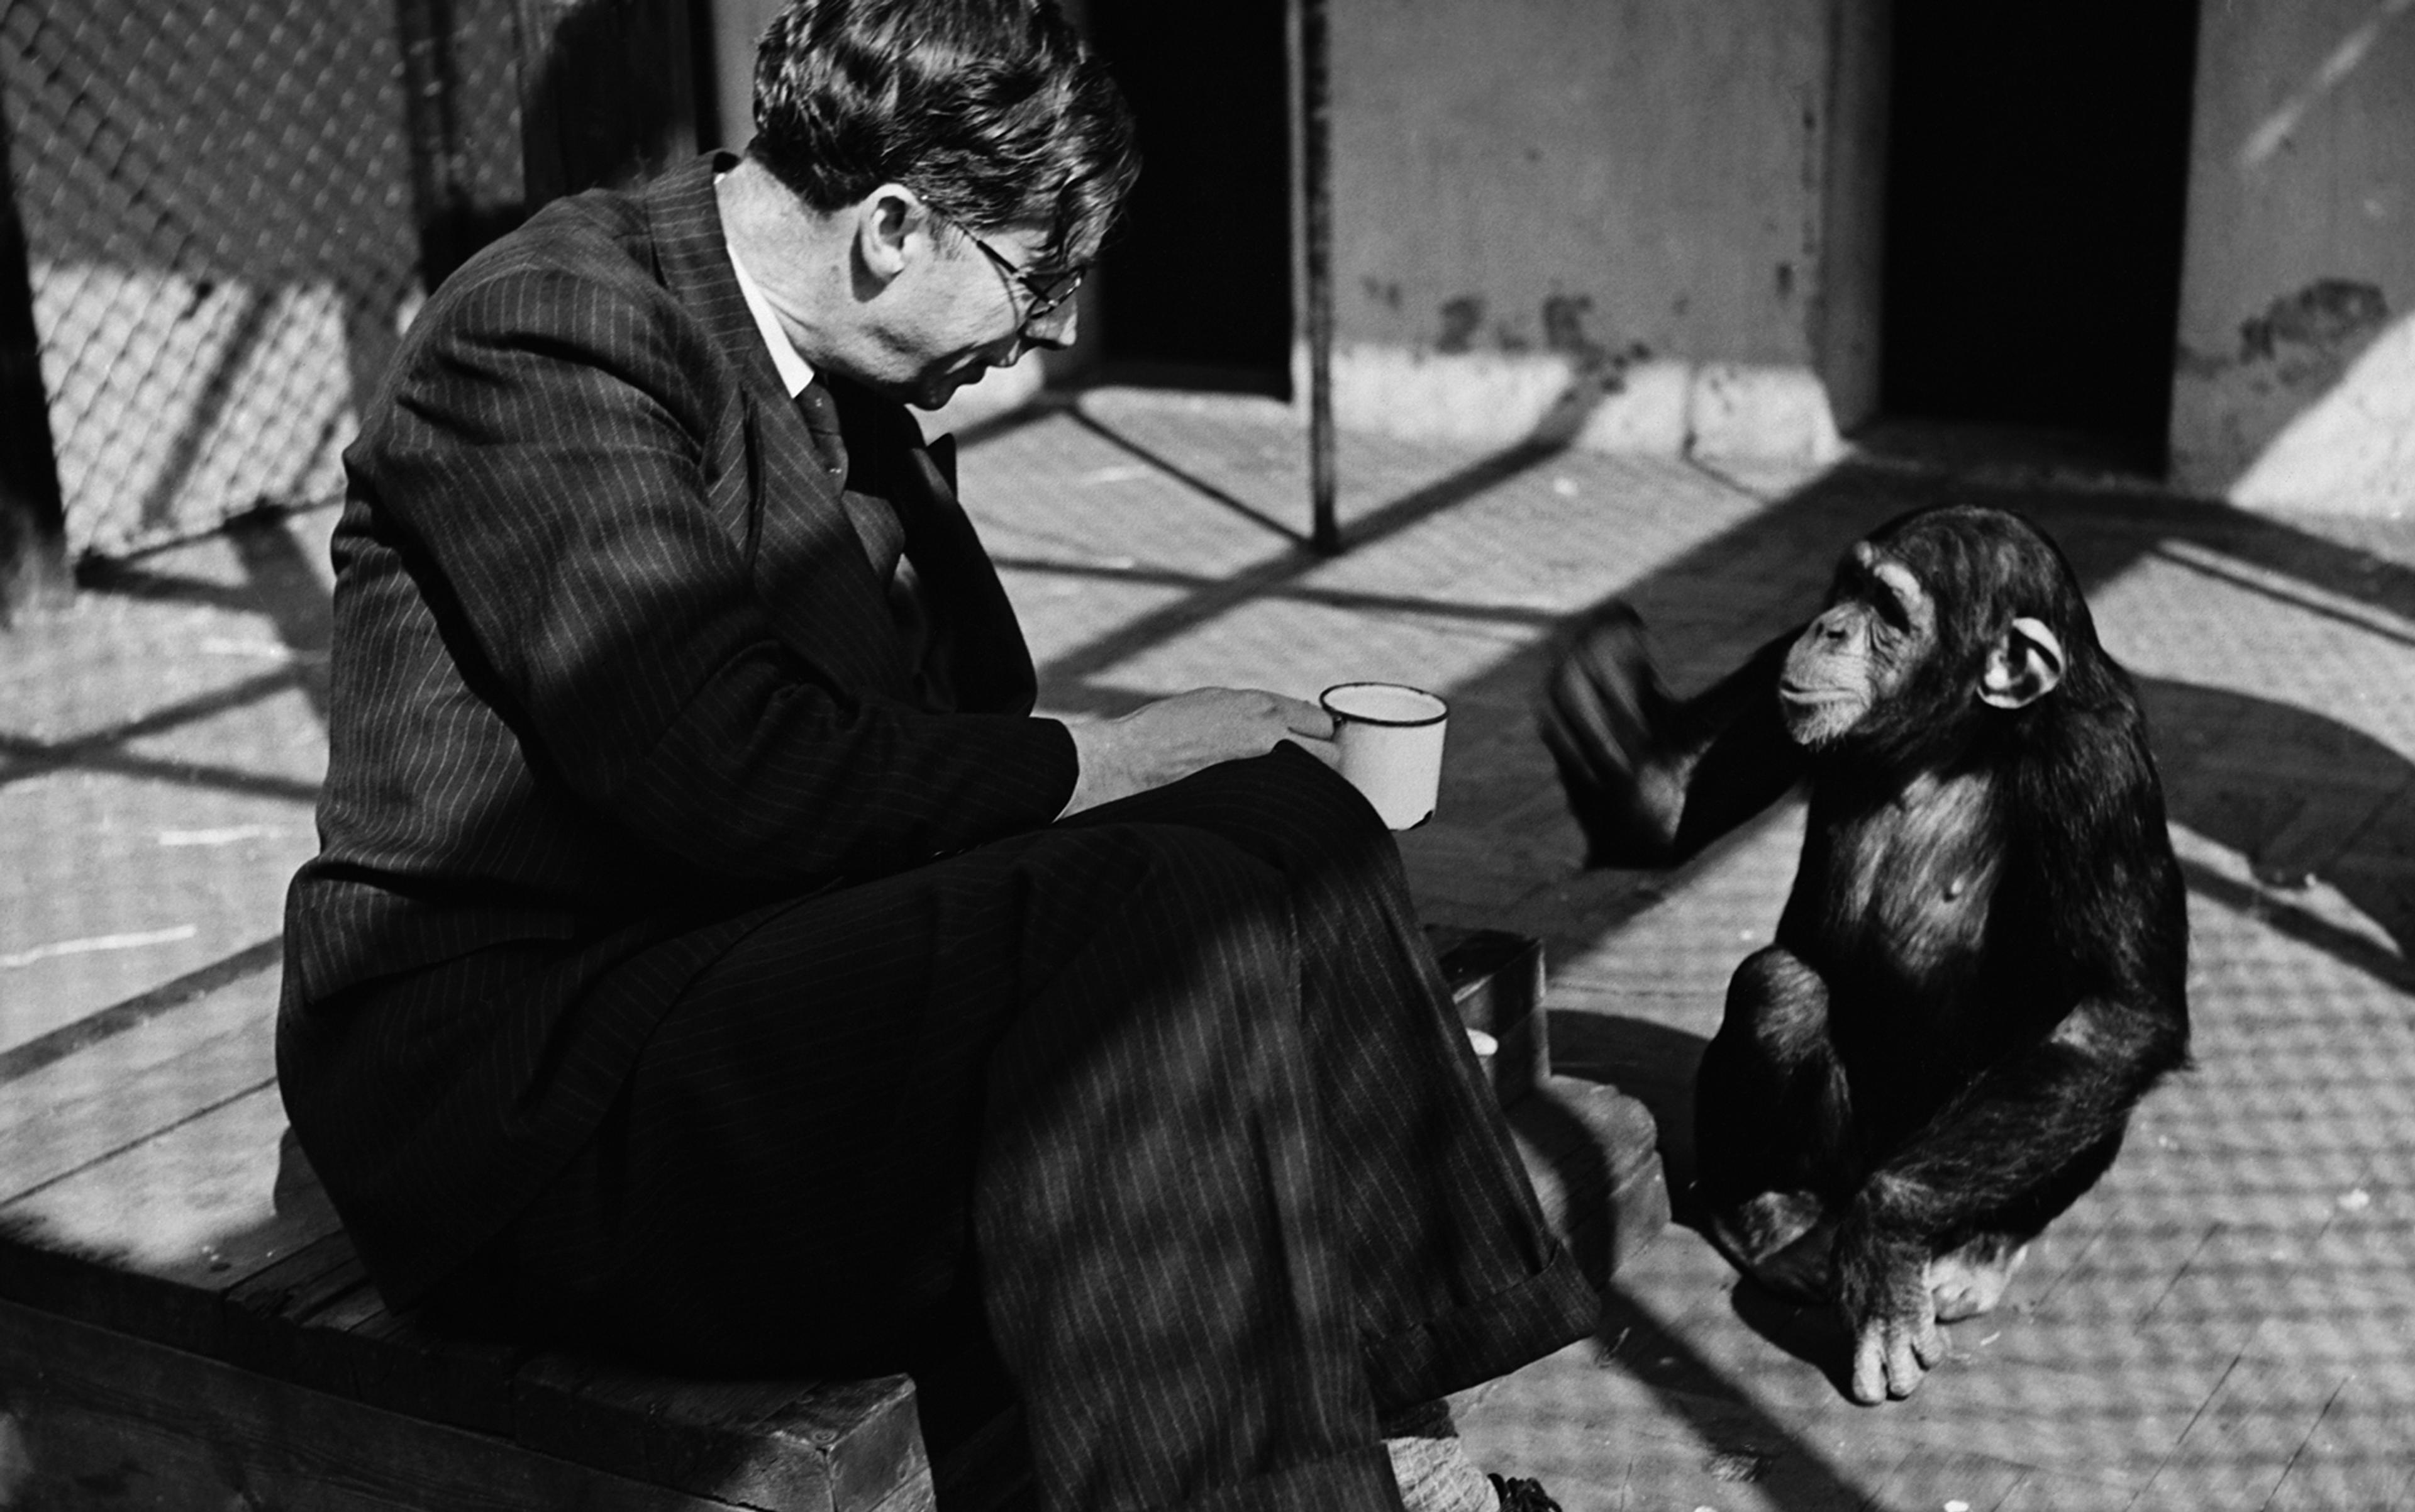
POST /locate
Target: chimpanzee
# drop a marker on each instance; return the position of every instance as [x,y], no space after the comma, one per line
[1981,967]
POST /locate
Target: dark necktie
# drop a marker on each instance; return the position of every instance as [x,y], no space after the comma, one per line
[874,518]
[822,417]
[877,523]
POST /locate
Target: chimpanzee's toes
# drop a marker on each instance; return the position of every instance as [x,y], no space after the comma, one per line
[1891,1362]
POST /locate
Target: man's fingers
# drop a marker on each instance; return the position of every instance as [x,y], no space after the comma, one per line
[1302,717]
[1310,728]
[1325,750]
[1252,706]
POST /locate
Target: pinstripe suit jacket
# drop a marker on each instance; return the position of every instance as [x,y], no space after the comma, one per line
[615,669]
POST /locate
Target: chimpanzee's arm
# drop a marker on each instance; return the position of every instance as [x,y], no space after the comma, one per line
[1650,778]
[2007,1136]
[2018,1125]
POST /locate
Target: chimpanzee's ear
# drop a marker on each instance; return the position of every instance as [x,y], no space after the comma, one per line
[2023,665]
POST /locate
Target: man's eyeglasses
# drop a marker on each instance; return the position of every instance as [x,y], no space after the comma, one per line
[1040,296]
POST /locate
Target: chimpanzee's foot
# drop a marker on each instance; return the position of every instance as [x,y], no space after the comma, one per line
[1970,1281]
[1804,1271]
[1781,1239]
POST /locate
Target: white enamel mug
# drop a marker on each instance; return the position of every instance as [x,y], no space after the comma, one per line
[1390,737]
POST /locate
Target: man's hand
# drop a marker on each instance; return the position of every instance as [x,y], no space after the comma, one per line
[1169,740]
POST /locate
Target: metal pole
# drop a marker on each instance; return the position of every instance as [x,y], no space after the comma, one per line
[33,572]
[1316,143]
[440,172]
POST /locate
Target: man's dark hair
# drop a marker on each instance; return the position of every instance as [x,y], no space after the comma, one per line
[991,109]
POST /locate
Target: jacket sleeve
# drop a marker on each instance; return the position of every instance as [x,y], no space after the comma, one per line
[542,465]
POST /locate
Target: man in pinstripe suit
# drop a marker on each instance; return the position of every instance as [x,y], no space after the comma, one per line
[709,956]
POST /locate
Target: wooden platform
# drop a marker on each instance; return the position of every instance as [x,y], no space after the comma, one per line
[182,1323]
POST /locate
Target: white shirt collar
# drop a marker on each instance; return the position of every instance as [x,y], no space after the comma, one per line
[795,372]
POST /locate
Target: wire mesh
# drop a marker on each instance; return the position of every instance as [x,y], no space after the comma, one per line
[228,207]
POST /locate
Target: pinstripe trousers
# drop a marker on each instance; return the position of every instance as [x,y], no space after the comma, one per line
[1170,1092]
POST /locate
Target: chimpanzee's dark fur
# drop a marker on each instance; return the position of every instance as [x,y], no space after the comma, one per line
[1981,967]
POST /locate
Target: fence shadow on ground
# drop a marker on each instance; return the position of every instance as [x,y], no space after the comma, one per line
[2306,821]
[2278,794]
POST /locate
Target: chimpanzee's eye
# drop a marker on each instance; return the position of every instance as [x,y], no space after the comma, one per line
[1897,596]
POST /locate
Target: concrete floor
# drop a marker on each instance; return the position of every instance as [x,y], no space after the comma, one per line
[2228,1321]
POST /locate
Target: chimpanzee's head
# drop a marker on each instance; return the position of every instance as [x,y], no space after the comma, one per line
[1940,618]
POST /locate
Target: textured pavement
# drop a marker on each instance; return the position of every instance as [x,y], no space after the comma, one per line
[2228,1321]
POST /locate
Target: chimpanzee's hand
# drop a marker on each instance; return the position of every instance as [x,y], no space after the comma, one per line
[1893,1317]
[1605,716]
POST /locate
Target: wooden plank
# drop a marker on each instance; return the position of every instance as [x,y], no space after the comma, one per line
[310,1314]
[400,1364]
[149,1239]
[841,1446]
[321,1323]
[113,1092]
[88,1404]
[262,1326]
[202,1230]
[69,1455]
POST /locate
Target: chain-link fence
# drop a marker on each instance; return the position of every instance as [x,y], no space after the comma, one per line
[228,206]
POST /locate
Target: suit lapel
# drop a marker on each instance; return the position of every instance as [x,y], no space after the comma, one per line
[772,493]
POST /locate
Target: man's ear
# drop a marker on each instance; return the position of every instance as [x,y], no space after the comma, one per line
[2023,665]
[887,220]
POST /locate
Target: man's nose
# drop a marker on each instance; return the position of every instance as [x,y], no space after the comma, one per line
[1053,332]
[1058,329]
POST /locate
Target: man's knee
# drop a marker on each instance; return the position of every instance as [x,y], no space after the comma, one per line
[1180,875]
[1287,808]
[1173,882]
[1302,786]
